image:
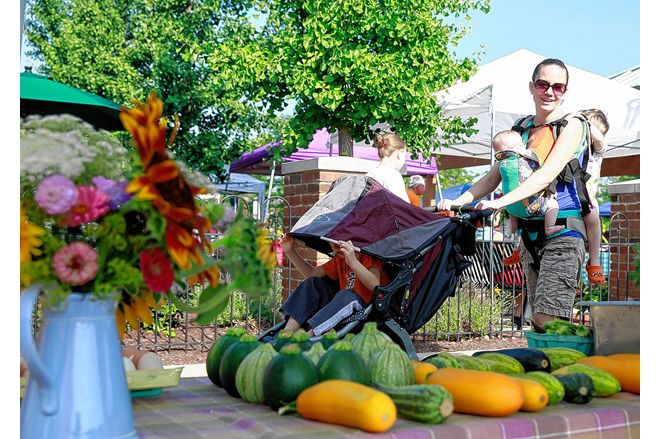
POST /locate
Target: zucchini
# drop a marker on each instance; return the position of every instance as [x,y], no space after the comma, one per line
[605,384]
[560,357]
[427,403]
[444,359]
[531,359]
[473,363]
[502,363]
[578,387]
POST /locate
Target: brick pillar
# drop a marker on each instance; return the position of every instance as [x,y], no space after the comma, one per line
[305,182]
[624,233]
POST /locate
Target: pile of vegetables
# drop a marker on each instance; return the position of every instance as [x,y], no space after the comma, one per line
[563,327]
[367,381]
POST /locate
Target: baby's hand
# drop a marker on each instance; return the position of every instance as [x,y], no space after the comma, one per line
[287,243]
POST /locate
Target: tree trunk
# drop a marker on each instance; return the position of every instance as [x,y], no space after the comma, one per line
[345,142]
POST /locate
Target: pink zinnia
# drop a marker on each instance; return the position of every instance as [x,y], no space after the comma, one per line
[90,205]
[75,264]
[56,194]
[156,270]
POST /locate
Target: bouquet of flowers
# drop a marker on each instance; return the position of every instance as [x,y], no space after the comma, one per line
[125,223]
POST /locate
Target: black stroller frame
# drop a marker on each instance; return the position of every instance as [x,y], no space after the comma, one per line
[392,309]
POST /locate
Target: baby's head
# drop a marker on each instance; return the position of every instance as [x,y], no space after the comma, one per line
[507,140]
[597,118]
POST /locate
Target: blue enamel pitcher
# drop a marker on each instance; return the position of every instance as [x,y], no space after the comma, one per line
[77,386]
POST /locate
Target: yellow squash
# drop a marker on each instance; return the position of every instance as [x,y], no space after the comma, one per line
[347,403]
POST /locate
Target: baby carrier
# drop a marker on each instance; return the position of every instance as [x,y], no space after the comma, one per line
[515,167]
[574,173]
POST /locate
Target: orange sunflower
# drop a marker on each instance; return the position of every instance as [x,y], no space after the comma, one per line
[165,187]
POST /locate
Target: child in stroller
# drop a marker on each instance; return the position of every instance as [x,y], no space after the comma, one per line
[423,255]
[333,291]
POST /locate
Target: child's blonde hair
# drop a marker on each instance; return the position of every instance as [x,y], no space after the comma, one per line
[507,138]
[597,118]
[388,144]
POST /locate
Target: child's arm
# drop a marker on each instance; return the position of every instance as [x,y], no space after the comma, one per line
[370,278]
[597,138]
[306,269]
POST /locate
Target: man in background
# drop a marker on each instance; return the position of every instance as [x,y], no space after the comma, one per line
[416,186]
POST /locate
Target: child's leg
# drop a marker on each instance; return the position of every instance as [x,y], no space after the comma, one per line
[515,254]
[513,223]
[594,236]
[551,213]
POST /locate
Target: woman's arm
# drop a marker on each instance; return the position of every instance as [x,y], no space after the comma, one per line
[561,154]
[484,186]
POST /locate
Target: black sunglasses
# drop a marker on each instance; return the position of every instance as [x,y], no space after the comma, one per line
[542,86]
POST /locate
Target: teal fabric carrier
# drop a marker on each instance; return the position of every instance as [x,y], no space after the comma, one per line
[514,169]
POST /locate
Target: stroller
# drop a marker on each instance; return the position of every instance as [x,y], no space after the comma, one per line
[424,253]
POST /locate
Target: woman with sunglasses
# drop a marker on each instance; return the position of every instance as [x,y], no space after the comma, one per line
[552,285]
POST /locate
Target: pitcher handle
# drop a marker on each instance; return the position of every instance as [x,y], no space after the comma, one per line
[45,384]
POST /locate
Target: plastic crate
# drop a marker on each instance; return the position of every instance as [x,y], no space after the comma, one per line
[582,344]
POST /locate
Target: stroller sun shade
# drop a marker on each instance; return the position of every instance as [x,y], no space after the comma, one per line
[379,223]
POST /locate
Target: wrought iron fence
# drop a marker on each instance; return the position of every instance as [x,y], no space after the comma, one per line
[489,299]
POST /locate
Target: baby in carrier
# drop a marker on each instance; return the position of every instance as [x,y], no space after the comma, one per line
[512,154]
[517,163]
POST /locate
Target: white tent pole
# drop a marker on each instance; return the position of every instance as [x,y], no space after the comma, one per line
[22,22]
[264,214]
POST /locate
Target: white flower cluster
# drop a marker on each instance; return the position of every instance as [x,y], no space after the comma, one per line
[66,145]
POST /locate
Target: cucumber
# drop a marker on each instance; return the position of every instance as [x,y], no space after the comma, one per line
[531,359]
[560,357]
[578,387]
[552,384]
[428,403]
[444,359]
[502,363]
[605,384]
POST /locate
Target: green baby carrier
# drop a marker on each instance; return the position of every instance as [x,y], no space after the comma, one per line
[516,167]
[531,226]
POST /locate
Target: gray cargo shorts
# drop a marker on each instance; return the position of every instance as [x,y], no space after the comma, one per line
[552,289]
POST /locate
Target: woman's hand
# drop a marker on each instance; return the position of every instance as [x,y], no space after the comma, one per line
[488,204]
[445,204]
[287,243]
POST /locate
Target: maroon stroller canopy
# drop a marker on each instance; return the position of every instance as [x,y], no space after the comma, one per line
[360,210]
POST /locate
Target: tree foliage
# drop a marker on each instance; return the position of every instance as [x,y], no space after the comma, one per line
[122,49]
[358,63]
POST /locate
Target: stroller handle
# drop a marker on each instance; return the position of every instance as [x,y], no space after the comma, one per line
[476,213]
[471,212]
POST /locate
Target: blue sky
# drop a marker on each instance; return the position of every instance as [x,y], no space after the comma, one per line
[600,36]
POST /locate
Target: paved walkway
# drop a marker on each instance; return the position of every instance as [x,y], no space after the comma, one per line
[199,370]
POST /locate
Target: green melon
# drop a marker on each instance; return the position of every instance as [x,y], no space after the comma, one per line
[232,359]
[315,353]
[288,374]
[250,374]
[217,350]
[391,366]
[342,363]
[369,341]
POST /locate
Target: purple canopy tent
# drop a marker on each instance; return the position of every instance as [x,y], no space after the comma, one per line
[259,160]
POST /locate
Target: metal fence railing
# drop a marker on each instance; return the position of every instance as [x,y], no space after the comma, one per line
[488,297]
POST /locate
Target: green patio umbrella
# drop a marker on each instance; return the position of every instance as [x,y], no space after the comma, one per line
[42,95]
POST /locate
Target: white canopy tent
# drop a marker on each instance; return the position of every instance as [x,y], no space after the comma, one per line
[498,94]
